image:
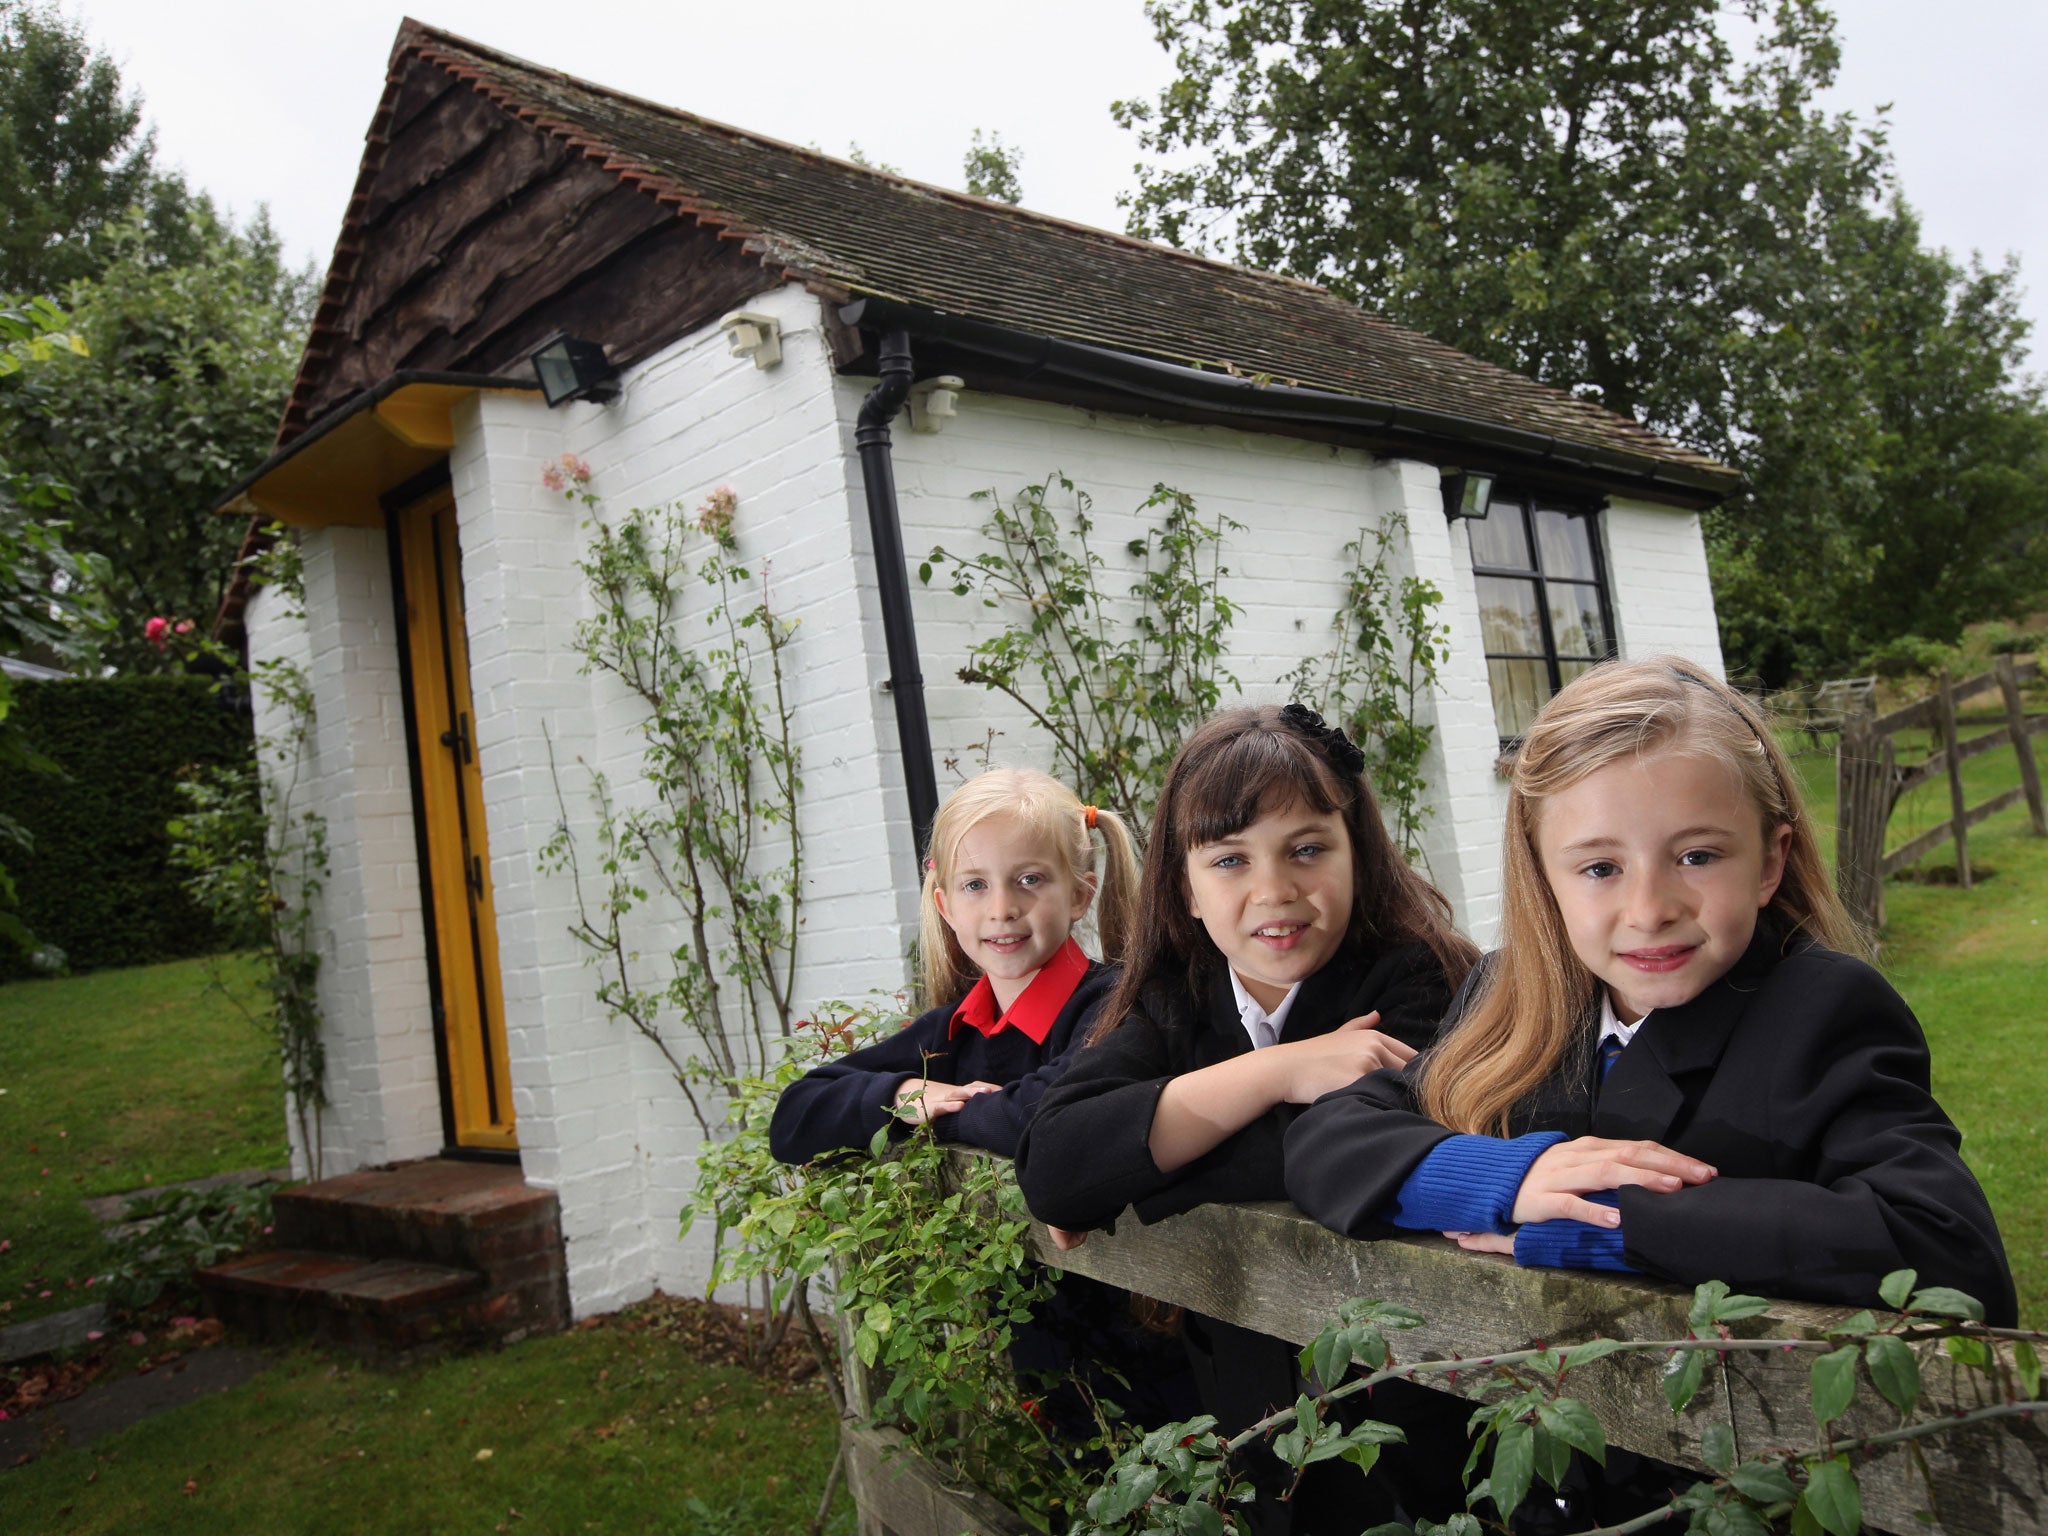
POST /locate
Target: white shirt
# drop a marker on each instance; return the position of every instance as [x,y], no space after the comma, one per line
[1611,1027]
[1263,1027]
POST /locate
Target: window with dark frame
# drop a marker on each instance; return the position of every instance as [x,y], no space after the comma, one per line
[1544,612]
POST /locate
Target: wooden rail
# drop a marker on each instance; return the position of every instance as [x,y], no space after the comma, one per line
[1870,783]
[1271,1268]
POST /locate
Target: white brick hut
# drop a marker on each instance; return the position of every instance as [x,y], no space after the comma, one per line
[502,205]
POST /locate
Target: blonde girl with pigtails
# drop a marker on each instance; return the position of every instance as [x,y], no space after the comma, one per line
[1016,863]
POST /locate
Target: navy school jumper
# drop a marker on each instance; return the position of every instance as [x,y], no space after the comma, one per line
[1800,1075]
[838,1106]
[1087,1156]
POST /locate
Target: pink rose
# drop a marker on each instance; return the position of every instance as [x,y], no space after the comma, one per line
[155,630]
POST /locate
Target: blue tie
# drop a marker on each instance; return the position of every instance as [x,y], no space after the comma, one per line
[1610,1050]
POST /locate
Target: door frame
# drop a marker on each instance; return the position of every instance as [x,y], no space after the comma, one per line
[396,504]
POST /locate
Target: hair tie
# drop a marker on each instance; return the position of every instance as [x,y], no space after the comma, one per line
[1088,817]
[928,864]
[1339,748]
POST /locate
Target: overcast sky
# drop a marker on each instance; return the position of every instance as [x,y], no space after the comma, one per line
[267,102]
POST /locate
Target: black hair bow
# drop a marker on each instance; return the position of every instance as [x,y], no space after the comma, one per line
[1338,747]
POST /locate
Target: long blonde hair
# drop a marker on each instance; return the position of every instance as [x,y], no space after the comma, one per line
[1055,814]
[1525,1022]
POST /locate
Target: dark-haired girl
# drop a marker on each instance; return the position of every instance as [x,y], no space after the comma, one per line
[1284,949]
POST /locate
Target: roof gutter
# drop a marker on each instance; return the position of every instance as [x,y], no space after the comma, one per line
[906,677]
[1145,381]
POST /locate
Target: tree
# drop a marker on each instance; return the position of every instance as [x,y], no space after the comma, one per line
[991,166]
[49,598]
[1898,463]
[73,155]
[1602,194]
[186,373]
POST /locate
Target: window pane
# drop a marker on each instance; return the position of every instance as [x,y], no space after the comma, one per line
[1519,689]
[1575,620]
[1507,615]
[1567,545]
[1571,669]
[1500,538]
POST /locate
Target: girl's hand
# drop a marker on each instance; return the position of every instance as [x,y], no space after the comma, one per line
[1064,1240]
[1484,1242]
[1552,1187]
[921,1100]
[1312,1068]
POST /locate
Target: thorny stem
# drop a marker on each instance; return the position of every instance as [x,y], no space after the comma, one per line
[1921,1431]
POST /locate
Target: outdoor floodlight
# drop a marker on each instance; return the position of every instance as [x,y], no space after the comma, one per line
[570,368]
[1467,494]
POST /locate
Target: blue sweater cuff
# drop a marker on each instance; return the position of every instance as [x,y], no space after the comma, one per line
[1566,1244]
[1467,1183]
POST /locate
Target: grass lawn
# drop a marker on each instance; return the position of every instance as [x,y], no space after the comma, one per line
[110,1082]
[1974,966]
[600,1429]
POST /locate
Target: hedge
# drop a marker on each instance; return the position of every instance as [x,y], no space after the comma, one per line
[98,882]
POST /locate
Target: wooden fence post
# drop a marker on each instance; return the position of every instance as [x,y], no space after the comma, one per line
[1953,741]
[1861,810]
[2016,722]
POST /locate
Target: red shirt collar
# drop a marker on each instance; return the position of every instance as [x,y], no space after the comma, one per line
[1036,1010]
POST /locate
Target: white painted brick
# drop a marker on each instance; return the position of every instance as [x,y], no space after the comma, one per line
[600,1120]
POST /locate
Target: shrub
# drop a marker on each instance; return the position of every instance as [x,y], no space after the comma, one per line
[97,885]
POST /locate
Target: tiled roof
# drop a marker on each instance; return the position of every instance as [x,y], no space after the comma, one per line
[846,231]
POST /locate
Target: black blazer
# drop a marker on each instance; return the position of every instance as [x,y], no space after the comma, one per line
[1086,1154]
[1800,1075]
[839,1105]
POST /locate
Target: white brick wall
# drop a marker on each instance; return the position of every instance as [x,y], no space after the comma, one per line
[1657,566]
[373,975]
[600,1118]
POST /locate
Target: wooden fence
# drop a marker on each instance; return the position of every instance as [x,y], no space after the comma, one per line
[1271,1268]
[1870,783]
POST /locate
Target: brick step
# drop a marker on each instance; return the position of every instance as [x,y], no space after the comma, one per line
[405,1260]
[464,1215]
[344,1281]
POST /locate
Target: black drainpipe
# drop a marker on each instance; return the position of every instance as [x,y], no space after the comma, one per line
[906,679]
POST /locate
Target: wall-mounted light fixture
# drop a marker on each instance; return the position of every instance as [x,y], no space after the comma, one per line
[752,334]
[1467,494]
[935,401]
[570,368]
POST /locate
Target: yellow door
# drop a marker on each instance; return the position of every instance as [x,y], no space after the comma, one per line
[470,1008]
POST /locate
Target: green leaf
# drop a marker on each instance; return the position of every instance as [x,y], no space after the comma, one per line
[1833,1499]
[1834,1384]
[1893,1370]
[1514,1467]
[1735,1520]
[1552,1458]
[2028,1366]
[1895,1287]
[1705,1298]
[1717,1447]
[1731,1309]
[1682,1375]
[689,1218]
[1859,1322]
[1576,1425]
[1947,1301]
[1591,1350]
[868,1345]
[1765,1481]
[1967,1351]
